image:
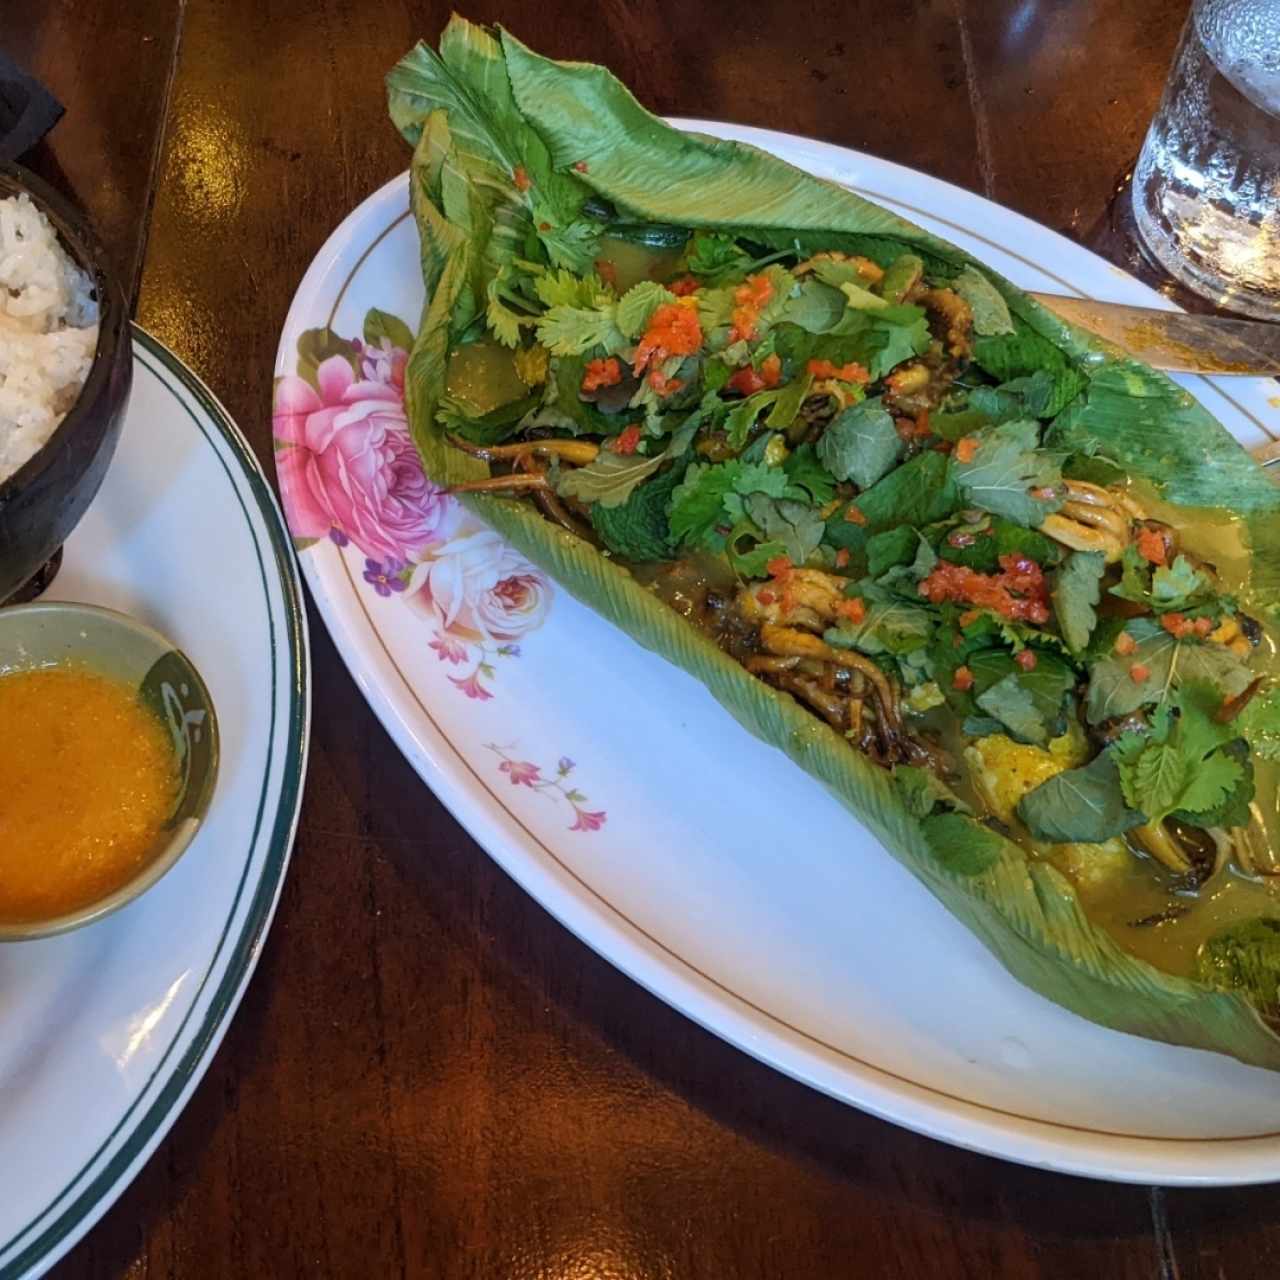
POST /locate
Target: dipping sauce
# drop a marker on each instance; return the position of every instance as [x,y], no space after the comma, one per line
[88,776]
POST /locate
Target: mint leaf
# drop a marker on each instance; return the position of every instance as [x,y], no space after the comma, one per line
[638,304]
[892,547]
[609,478]
[1012,704]
[1027,397]
[918,492]
[923,792]
[806,476]
[637,529]
[1024,352]
[1006,466]
[1114,692]
[815,307]
[1076,591]
[741,418]
[962,845]
[1048,682]
[861,444]
[890,625]
[1245,957]
[990,310]
[1085,805]
[1259,722]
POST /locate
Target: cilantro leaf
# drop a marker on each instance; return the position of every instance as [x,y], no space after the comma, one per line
[713,253]
[1179,586]
[1085,805]
[711,493]
[806,477]
[990,310]
[1168,660]
[565,289]
[1076,590]
[1179,765]
[861,444]
[794,524]
[573,331]
[1007,465]
[1135,577]
[638,304]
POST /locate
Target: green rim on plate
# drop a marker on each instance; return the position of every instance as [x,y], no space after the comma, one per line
[87,1195]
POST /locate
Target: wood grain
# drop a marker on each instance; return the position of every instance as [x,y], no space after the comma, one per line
[428,1075]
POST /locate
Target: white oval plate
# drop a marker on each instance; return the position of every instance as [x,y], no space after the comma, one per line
[105,1032]
[697,860]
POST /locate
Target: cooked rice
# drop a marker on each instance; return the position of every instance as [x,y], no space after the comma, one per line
[48,331]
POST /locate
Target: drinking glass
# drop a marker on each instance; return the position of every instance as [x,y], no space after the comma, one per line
[1206,189]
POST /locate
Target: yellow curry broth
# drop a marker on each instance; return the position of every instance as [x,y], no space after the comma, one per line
[87,778]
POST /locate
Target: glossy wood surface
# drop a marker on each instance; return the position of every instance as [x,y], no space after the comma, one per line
[428,1076]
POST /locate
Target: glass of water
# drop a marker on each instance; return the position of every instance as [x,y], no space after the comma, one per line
[1206,190]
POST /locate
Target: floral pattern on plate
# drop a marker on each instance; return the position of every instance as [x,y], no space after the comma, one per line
[523,773]
[350,474]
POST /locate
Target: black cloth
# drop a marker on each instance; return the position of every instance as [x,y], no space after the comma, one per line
[27,110]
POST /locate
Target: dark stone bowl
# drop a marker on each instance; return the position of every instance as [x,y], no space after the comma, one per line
[44,499]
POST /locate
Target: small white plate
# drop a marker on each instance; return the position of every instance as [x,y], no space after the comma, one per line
[105,1032]
[635,809]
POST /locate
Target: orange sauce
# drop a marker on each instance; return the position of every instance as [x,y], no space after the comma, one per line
[88,775]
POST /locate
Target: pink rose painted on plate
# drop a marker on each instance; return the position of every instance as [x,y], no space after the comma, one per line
[350,473]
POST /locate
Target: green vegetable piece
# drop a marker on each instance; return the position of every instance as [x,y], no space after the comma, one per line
[382,324]
[638,304]
[1076,591]
[1245,957]
[905,272]
[807,477]
[861,444]
[1024,352]
[990,310]
[924,793]
[1260,723]
[890,625]
[891,547]
[638,529]
[961,844]
[1007,466]
[794,524]
[1010,702]
[1084,805]
[1114,692]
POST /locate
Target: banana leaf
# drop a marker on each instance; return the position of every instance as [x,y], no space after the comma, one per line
[510,145]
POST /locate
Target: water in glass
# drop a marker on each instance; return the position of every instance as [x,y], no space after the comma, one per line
[1206,190]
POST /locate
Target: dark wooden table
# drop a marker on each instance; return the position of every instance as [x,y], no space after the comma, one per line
[428,1076]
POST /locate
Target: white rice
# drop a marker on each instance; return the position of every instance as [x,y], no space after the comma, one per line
[48,331]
